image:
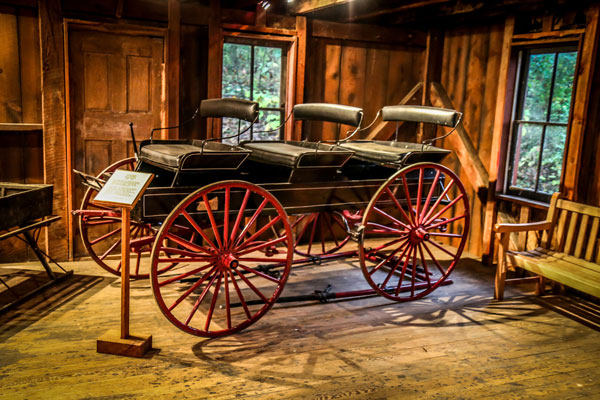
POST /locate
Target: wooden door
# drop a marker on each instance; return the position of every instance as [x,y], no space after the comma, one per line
[114,79]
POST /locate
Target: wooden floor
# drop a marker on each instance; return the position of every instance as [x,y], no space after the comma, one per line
[456,343]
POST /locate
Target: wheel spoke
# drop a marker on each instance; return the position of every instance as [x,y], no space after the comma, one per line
[251,221]
[391,273]
[414,271]
[408,201]
[186,253]
[265,259]
[239,216]
[226,218]
[439,200]
[106,236]
[213,302]
[258,273]
[330,227]
[198,229]
[429,195]
[399,207]
[394,220]
[403,273]
[385,229]
[441,248]
[419,193]
[312,232]
[387,259]
[227,302]
[201,298]
[262,246]
[304,228]
[187,244]
[391,243]
[453,235]
[262,230]
[186,274]
[446,222]
[251,286]
[211,217]
[435,261]
[443,210]
[110,249]
[192,288]
[424,265]
[240,296]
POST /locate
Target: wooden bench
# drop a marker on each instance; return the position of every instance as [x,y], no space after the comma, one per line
[569,253]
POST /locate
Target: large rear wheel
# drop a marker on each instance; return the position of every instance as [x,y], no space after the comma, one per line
[414,231]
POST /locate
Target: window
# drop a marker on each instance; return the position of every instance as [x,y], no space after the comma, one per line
[539,127]
[254,71]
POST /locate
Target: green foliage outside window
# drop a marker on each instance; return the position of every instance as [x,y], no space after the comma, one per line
[542,130]
[253,73]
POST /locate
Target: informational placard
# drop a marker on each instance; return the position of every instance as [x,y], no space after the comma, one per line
[123,188]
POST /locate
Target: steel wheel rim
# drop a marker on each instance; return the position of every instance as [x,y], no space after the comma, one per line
[410,235]
[222,267]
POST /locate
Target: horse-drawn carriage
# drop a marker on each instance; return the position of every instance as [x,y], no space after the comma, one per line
[218,228]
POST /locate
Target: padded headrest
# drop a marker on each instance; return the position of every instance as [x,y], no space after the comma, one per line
[229,108]
[329,112]
[431,115]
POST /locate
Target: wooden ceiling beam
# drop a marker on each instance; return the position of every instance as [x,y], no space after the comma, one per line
[405,7]
[309,6]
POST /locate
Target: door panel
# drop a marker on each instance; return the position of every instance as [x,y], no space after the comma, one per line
[114,79]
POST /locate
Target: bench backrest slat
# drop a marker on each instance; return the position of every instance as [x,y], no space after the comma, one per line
[575,229]
[589,253]
[581,236]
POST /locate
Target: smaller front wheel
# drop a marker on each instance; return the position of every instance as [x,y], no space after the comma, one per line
[414,231]
[234,265]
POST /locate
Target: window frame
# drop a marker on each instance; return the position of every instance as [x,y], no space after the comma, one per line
[519,88]
[288,44]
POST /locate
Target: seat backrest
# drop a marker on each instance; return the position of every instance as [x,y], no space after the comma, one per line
[328,112]
[575,229]
[229,108]
[431,115]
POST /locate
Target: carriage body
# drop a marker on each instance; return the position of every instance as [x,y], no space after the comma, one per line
[220,224]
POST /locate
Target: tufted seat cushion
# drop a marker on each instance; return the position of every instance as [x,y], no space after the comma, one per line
[297,154]
[393,152]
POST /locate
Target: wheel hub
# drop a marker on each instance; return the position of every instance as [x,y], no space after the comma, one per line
[227,261]
[418,234]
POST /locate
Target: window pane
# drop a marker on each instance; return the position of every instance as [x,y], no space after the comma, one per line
[537,92]
[554,144]
[526,156]
[267,76]
[267,121]
[236,71]
[230,128]
[563,85]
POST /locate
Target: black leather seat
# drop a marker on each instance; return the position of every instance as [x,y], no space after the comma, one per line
[170,154]
[297,154]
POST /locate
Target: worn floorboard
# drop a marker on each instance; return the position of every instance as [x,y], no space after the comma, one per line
[455,343]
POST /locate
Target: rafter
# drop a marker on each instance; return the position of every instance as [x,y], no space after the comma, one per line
[309,6]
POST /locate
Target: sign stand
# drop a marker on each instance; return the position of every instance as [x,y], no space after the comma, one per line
[123,189]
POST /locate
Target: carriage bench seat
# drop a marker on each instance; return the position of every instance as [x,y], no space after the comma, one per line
[297,154]
[568,254]
[397,153]
[192,155]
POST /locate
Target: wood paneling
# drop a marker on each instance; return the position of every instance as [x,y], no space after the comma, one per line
[362,75]
[470,75]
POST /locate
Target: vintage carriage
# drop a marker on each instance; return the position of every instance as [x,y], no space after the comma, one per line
[218,228]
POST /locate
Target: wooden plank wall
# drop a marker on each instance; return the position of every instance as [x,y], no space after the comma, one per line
[359,74]
[470,69]
[21,154]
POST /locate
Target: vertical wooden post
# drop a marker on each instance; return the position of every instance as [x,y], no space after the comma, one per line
[432,73]
[215,61]
[125,239]
[302,29]
[500,127]
[173,65]
[54,122]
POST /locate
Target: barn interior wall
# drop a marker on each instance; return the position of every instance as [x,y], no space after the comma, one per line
[360,74]
[21,154]
[469,73]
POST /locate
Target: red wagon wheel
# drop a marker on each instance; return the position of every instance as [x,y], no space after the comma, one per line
[223,282]
[101,231]
[319,233]
[416,227]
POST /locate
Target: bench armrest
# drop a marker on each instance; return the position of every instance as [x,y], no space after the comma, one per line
[530,226]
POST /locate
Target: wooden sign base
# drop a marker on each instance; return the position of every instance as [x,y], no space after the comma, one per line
[133,346]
